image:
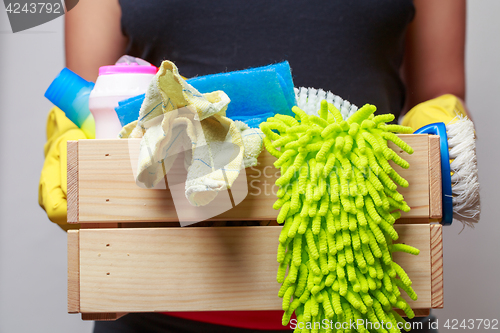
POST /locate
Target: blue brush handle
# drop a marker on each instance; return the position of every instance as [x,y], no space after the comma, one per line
[440,129]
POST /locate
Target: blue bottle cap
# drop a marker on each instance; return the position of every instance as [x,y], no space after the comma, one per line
[65,91]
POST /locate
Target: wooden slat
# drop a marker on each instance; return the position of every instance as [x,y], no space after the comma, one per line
[102,316]
[203,269]
[417,267]
[418,312]
[114,316]
[73,272]
[99,225]
[72,186]
[422,312]
[437,266]
[417,194]
[407,220]
[435,194]
[108,192]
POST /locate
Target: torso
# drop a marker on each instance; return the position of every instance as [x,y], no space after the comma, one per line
[351,48]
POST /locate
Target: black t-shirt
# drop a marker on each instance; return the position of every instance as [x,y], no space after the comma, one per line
[351,48]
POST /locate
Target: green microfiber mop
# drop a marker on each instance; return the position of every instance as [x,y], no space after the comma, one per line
[338,200]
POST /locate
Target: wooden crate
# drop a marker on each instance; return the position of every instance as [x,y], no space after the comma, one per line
[128,255]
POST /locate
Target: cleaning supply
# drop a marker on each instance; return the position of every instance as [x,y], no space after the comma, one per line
[175,117]
[253,92]
[70,93]
[256,94]
[252,143]
[53,179]
[446,117]
[253,121]
[309,100]
[338,199]
[128,109]
[127,78]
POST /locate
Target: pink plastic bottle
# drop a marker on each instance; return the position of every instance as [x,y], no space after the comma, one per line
[129,77]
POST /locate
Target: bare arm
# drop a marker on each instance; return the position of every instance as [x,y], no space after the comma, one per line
[435,46]
[93,36]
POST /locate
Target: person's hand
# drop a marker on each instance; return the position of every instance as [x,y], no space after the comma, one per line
[53,178]
[446,108]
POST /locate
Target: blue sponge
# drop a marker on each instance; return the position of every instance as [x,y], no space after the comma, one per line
[128,109]
[256,94]
[253,92]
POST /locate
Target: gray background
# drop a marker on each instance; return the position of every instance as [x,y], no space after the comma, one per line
[33,250]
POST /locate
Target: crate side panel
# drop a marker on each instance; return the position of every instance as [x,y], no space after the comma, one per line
[202,269]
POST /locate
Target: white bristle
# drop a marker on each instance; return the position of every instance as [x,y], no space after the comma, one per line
[345,108]
[337,101]
[321,96]
[309,100]
[329,97]
[464,181]
[353,109]
[301,97]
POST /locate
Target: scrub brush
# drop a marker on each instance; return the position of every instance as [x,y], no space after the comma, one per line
[464,181]
[461,200]
[309,100]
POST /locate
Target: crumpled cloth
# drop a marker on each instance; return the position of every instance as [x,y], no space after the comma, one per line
[175,117]
[52,188]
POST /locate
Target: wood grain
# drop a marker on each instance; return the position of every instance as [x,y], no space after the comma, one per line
[72,186]
[418,312]
[102,316]
[108,192]
[437,282]
[203,269]
[99,225]
[417,267]
[73,272]
[407,220]
[435,193]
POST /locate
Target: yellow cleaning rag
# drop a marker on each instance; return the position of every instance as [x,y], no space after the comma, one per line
[53,183]
[175,117]
[446,108]
[252,143]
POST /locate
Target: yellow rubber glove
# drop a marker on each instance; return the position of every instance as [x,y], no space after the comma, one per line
[445,108]
[53,183]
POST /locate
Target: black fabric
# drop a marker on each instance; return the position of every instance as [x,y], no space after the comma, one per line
[352,48]
[160,323]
